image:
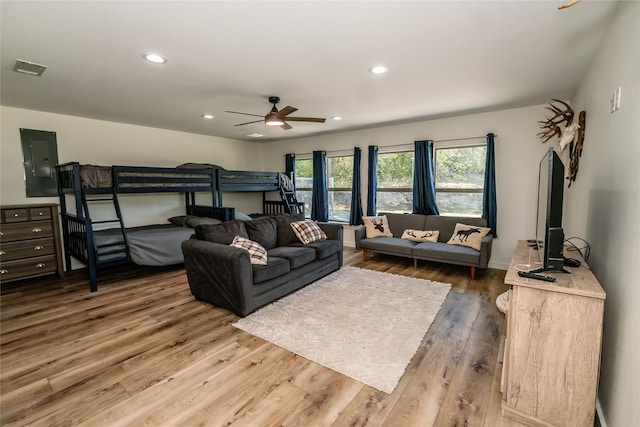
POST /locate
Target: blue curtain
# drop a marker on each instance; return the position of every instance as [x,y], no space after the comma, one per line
[372,181]
[319,208]
[489,203]
[290,167]
[355,215]
[424,186]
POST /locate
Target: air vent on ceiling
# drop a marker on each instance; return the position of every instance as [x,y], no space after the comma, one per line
[30,68]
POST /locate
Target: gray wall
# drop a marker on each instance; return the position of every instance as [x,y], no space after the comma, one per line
[603,206]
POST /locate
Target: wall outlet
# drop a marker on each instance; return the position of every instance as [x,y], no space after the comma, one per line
[615,99]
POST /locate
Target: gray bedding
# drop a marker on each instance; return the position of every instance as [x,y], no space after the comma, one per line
[154,245]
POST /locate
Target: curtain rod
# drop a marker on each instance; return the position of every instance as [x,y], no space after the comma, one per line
[347,151]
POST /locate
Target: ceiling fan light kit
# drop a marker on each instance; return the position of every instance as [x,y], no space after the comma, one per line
[279,118]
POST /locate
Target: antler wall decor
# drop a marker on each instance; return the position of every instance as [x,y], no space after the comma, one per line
[551,127]
[568,4]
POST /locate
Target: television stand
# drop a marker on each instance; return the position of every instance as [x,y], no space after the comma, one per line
[552,346]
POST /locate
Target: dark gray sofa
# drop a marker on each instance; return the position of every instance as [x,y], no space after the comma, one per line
[438,251]
[224,276]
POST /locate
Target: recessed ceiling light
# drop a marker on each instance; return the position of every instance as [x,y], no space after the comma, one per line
[207,116]
[155,58]
[254,135]
[336,118]
[379,69]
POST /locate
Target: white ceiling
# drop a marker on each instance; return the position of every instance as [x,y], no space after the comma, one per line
[445,58]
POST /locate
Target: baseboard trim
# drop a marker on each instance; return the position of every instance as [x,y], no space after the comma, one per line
[599,414]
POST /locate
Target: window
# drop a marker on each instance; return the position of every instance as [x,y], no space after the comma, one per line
[339,179]
[459,176]
[304,183]
[395,182]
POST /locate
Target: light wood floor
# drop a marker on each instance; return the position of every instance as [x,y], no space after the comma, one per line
[143,351]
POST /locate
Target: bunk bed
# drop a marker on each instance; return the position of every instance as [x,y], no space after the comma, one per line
[104,243]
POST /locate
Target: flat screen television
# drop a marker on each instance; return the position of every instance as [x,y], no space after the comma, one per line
[549,233]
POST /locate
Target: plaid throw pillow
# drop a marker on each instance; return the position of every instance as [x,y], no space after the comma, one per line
[308,231]
[257,253]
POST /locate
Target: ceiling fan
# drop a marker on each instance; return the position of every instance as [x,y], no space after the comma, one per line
[279,118]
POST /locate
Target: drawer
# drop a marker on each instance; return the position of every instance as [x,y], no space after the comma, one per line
[26,249]
[25,230]
[27,267]
[15,215]
[36,214]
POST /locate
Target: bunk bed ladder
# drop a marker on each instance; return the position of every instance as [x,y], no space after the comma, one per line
[288,195]
[117,251]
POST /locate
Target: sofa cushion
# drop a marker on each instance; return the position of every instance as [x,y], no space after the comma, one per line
[264,231]
[308,231]
[390,245]
[297,256]
[420,235]
[323,248]
[275,267]
[257,254]
[468,235]
[286,235]
[446,253]
[400,222]
[223,233]
[377,226]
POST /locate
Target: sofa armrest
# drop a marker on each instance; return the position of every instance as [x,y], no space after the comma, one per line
[219,274]
[360,233]
[334,232]
[485,250]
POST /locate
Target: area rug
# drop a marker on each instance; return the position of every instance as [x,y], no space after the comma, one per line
[361,323]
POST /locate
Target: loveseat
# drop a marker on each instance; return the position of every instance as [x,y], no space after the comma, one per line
[440,250]
[225,276]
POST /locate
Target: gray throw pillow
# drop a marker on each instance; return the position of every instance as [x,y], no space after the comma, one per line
[222,233]
[263,231]
[242,216]
[194,221]
[286,236]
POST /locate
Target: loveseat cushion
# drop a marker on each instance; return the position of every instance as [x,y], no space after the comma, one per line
[448,253]
[446,224]
[223,233]
[390,245]
[297,256]
[275,267]
[323,248]
[286,235]
[400,222]
[263,231]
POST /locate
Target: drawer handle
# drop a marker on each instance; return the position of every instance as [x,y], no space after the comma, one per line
[16,215]
[36,230]
[3,253]
[3,271]
[40,213]
[38,248]
[41,265]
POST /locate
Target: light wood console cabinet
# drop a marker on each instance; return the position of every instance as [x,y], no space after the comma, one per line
[30,241]
[552,345]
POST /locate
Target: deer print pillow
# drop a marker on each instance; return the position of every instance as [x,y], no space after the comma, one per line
[468,235]
[420,235]
[377,226]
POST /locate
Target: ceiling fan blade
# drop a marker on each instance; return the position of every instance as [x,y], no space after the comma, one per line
[286,111]
[285,126]
[246,114]
[306,119]
[248,123]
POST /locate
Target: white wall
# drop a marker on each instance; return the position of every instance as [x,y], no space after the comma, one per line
[604,203]
[108,143]
[518,151]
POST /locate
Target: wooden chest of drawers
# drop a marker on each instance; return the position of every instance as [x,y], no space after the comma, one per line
[29,242]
